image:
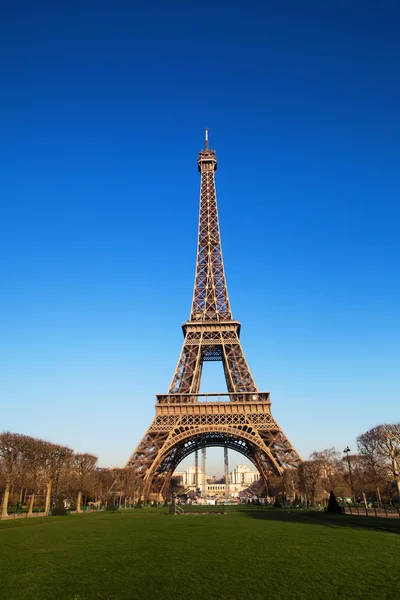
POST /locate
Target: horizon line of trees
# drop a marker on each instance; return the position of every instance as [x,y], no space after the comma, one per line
[371,475]
[32,470]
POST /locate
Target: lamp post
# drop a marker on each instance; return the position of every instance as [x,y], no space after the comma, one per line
[346,451]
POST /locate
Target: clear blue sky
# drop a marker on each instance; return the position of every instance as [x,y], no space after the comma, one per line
[103,106]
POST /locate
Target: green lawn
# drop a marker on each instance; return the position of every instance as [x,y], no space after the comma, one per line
[249,555]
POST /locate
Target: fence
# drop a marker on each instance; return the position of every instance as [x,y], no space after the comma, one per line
[388,511]
[369,510]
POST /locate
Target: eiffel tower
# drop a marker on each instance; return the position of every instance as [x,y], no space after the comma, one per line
[186,420]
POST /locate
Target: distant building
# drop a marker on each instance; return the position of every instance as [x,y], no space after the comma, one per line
[188,478]
[239,479]
[243,475]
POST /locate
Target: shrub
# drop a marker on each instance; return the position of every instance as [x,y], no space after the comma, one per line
[111,506]
[59,510]
[333,506]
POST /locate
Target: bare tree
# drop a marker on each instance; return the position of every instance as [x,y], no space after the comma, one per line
[135,486]
[274,487]
[55,459]
[368,478]
[331,468]
[126,484]
[257,488]
[12,446]
[310,481]
[83,465]
[290,481]
[33,459]
[105,482]
[382,443]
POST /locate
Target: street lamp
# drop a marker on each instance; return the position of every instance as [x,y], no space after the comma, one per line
[346,451]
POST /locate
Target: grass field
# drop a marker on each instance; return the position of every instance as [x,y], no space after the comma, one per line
[249,555]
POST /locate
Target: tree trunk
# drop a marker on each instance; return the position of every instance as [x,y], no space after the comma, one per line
[79,502]
[365,502]
[31,503]
[48,497]
[4,504]
[396,474]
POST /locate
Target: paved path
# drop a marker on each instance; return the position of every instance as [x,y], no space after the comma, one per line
[24,516]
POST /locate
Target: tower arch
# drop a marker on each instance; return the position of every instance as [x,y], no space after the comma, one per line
[246,442]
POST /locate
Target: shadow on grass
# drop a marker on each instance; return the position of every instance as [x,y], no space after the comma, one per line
[319,518]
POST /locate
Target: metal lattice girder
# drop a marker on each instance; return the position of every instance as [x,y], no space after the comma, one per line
[243,423]
[212,341]
[184,422]
[210,297]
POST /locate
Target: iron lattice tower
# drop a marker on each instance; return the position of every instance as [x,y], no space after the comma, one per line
[187,420]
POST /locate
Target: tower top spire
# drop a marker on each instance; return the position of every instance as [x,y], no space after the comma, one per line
[207,158]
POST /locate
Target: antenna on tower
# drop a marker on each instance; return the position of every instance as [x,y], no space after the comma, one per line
[206,130]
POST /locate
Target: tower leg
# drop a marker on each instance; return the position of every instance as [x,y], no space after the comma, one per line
[164,490]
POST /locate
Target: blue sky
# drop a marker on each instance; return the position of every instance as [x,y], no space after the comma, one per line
[103,107]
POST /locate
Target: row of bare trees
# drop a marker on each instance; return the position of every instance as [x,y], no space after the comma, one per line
[371,474]
[32,469]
